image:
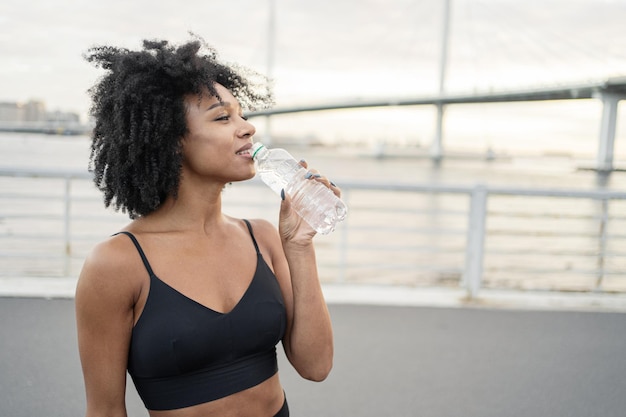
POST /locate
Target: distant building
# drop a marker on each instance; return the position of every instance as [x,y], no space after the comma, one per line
[10,112]
[62,117]
[32,117]
[34,111]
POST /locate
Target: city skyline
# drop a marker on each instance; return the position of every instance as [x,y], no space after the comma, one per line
[33,111]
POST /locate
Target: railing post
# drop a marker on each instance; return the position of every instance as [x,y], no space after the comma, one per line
[343,245]
[604,217]
[610,102]
[474,251]
[66,225]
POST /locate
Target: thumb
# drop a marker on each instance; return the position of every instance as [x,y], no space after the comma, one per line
[285,205]
[290,224]
[286,221]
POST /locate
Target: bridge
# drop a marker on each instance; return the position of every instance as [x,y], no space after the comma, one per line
[610,92]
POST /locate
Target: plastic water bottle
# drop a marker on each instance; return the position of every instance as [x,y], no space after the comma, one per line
[312,200]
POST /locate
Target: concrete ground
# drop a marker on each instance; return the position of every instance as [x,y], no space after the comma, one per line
[391,360]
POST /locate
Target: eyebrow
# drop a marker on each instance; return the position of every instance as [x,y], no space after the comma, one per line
[222,104]
[218,104]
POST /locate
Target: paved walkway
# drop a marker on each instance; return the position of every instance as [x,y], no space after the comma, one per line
[444,361]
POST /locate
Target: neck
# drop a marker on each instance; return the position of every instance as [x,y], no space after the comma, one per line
[195,208]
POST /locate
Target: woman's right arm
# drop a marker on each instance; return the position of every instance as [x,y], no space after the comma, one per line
[105,296]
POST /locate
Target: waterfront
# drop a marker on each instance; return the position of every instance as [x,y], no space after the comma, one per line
[360,161]
[415,239]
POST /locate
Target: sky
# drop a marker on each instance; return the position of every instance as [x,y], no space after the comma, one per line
[324,50]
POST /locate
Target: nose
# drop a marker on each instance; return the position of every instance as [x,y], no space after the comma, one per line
[247,129]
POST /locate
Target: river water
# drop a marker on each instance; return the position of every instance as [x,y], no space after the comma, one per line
[404,238]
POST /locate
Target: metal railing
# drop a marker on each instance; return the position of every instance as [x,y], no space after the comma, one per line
[408,234]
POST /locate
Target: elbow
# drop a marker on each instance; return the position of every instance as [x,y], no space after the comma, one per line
[318,373]
[317,377]
[313,364]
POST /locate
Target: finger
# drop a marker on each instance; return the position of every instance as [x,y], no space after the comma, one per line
[321,179]
[285,205]
[335,189]
[314,175]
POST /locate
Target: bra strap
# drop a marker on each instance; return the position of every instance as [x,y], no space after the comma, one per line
[143,255]
[256,246]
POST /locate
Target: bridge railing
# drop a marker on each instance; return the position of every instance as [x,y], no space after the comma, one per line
[472,237]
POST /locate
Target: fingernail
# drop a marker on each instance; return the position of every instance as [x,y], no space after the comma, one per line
[317,176]
[302,161]
[333,184]
[282,194]
[308,175]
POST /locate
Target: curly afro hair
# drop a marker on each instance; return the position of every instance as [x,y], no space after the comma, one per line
[139,112]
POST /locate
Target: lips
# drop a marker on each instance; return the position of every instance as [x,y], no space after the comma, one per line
[244,150]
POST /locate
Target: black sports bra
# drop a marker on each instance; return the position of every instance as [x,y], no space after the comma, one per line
[183,353]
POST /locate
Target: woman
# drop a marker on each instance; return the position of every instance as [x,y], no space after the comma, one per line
[190,301]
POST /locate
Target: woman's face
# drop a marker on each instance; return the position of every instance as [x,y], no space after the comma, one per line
[218,140]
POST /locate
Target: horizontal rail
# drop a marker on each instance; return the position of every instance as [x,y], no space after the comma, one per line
[407,241]
[559,92]
[596,194]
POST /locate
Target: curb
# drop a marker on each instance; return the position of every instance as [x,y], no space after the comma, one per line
[381,295]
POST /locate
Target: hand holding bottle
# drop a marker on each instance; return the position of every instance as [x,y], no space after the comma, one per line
[312,196]
[292,227]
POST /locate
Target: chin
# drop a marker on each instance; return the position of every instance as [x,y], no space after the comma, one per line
[245,177]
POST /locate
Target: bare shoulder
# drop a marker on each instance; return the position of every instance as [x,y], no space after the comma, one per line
[265,233]
[268,239]
[111,270]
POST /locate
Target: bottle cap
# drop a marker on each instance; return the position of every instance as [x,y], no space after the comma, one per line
[256,147]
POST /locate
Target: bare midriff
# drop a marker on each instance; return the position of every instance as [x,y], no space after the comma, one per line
[262,400]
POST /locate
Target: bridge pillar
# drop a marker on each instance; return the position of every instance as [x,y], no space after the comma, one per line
[436,148]
[610,101]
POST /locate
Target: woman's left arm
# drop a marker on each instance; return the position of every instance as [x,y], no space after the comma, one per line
[308,341]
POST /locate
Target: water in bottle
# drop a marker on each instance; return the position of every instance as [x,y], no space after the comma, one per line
[312,200]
